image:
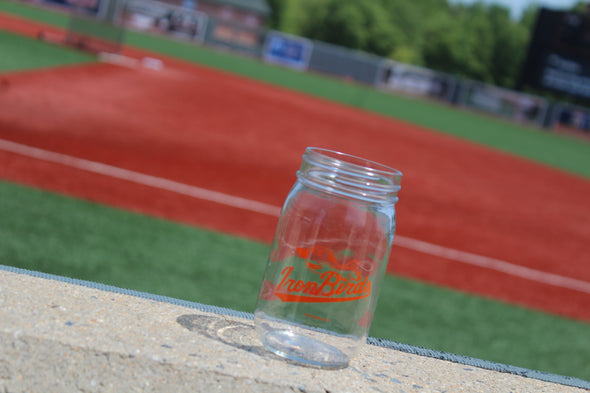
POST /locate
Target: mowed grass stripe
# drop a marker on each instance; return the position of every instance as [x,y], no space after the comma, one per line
[19,53]
[546,147]
[55,234]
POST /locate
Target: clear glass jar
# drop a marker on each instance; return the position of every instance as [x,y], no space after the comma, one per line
[327,259]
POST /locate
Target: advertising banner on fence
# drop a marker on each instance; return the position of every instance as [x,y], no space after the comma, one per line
[164,18]
[287,50]
[90,7]
[416,80]
[502,102]
[235,36]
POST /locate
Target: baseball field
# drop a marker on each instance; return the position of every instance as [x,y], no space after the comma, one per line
[169,179]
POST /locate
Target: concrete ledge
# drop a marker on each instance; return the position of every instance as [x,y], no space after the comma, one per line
[61,337]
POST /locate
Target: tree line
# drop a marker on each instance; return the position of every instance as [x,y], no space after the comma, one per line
[476,41]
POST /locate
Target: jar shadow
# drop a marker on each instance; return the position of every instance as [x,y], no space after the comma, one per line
[236,334]
[233,333]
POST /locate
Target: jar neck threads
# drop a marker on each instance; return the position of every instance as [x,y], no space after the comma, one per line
[349,176]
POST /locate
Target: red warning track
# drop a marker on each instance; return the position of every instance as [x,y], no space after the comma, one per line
[468,217]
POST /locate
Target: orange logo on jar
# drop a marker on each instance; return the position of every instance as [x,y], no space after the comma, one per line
[346,281]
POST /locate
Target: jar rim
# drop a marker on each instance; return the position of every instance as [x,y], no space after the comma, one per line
[355,161]
[350,176]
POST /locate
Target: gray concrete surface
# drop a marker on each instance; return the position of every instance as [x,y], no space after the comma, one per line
[59,337]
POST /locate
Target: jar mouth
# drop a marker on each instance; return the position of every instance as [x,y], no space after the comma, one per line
[348,175]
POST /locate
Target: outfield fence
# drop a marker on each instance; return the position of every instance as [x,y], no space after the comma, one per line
[96,33]
[345,63]
[250,39]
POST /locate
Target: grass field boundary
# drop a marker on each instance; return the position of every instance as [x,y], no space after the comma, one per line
[274,211]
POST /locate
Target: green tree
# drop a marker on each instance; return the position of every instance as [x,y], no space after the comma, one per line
[441,49]
[356,24]
[297,13]
[476,41]
[581,6]
[529,17]
[509,46]
[414,20]
[277,11]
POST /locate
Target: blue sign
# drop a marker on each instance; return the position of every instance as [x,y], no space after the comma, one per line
[287,50]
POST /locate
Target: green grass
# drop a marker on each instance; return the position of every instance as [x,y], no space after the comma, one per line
[46,232]
[50,233]
[38,14]
[539,145]
[29,54]
[55,234]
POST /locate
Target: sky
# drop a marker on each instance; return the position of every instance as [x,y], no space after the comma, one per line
[517,6]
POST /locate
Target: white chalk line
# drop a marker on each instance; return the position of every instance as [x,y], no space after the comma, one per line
[140,178]
[274,211]
[493,264]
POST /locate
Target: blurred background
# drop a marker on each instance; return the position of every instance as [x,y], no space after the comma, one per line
[508,82]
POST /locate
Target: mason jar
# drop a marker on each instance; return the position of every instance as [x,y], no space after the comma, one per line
[327,260]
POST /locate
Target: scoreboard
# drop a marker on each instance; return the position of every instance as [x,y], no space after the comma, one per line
[558,57]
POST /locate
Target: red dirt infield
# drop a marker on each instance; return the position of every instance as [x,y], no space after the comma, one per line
[210,129]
